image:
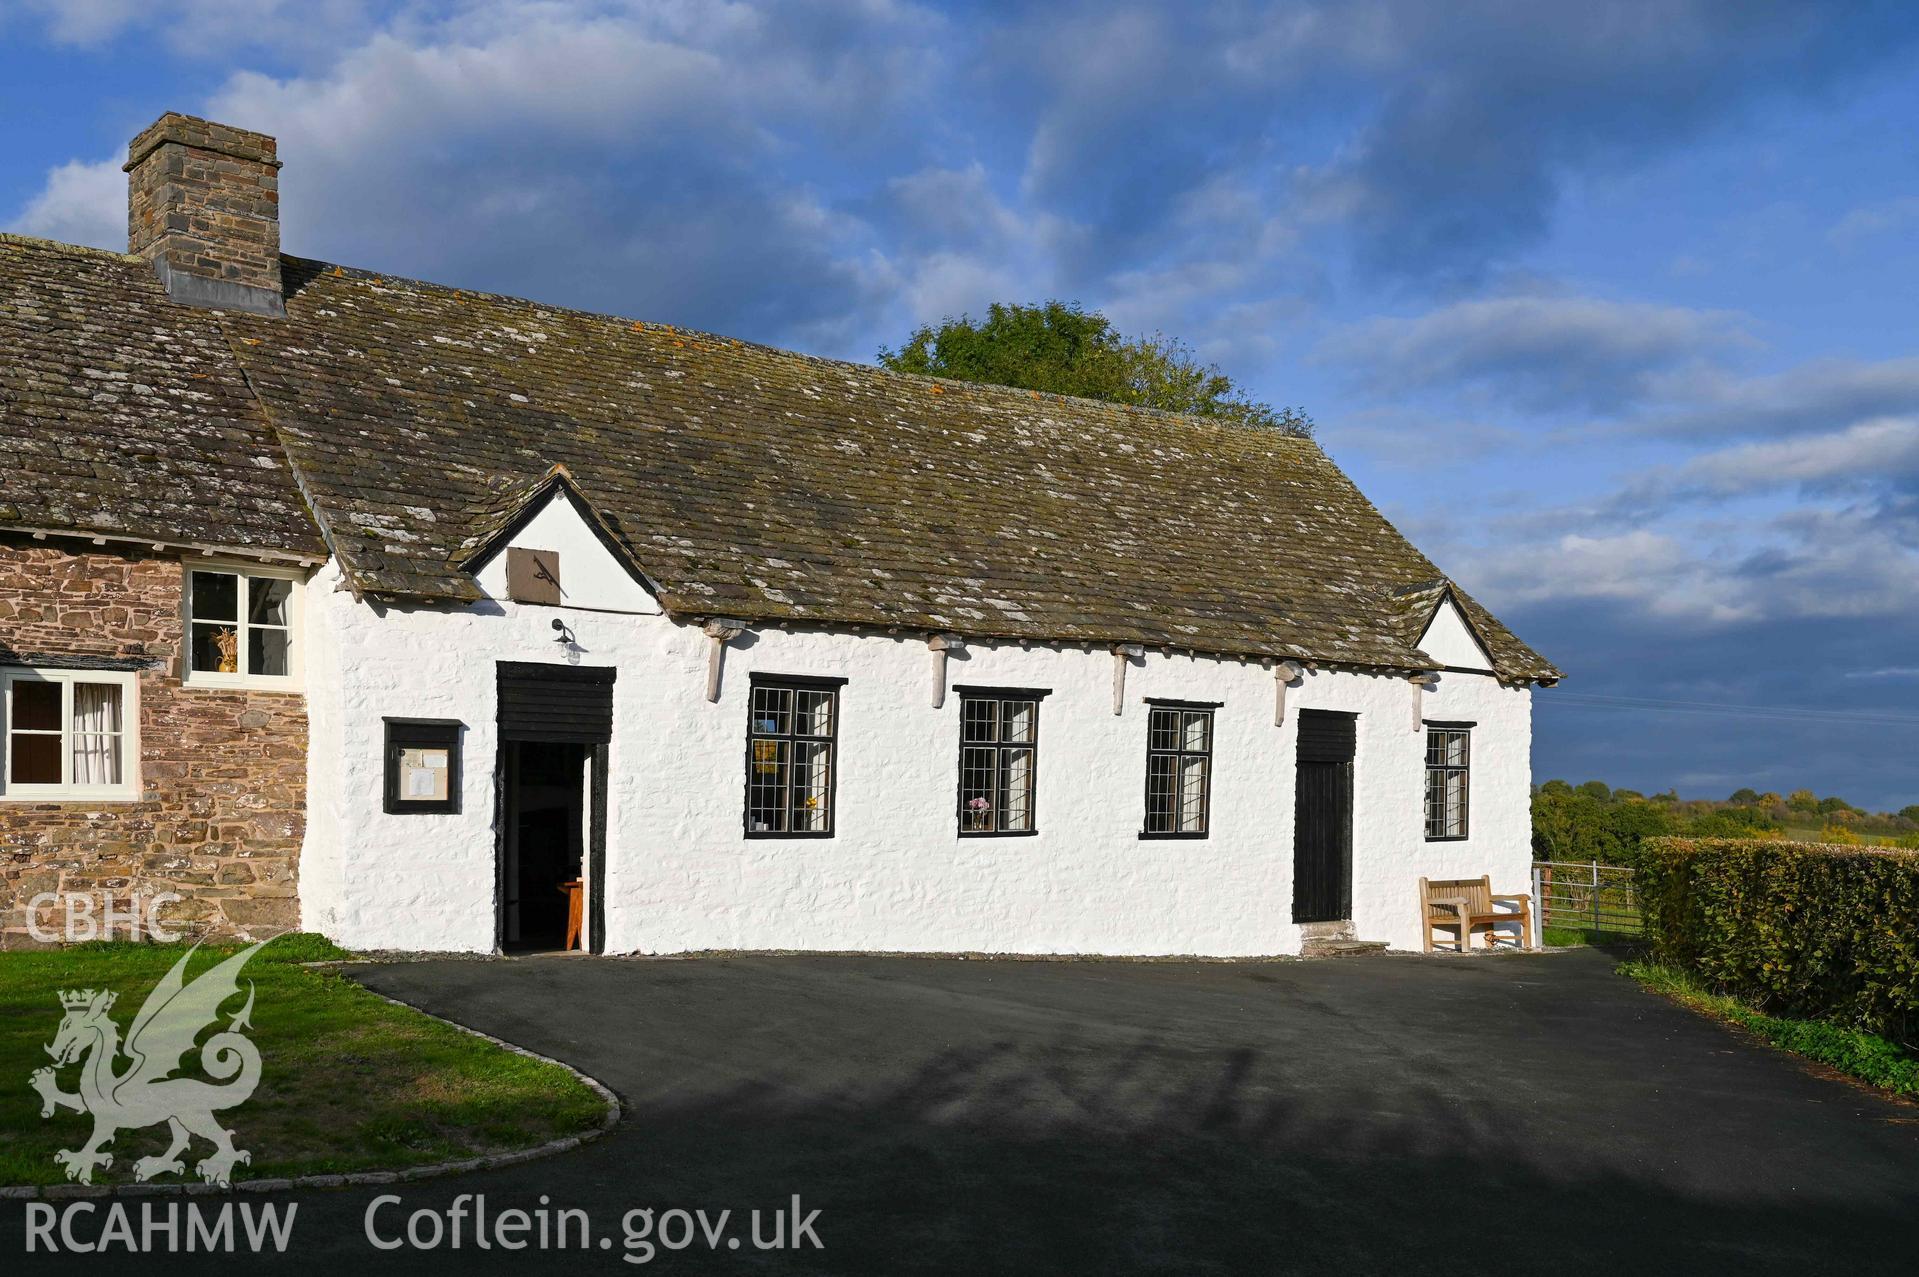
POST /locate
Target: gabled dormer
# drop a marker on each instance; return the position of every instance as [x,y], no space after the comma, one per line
[545,544]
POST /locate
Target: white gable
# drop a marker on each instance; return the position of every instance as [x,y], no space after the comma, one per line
[590,575]
[1450,641]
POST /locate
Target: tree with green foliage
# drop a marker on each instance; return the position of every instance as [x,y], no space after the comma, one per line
[1062,349]
[1744,798]
[1595,822]
[1803,800]
[1730,822]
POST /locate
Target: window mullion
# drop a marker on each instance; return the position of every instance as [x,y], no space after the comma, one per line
[66,733]
[790,774]
[244,596]
[1003,770]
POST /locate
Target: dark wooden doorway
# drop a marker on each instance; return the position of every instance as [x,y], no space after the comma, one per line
[546,784]
[1323,817]
[556,725]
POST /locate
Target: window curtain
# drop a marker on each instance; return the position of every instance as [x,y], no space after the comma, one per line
[96,734]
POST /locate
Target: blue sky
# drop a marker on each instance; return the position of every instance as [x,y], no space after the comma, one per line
[1609,306]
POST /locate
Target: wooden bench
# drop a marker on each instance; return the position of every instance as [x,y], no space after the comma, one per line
[1465,903]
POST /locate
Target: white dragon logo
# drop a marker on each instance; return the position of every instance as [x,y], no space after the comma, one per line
[146,1094]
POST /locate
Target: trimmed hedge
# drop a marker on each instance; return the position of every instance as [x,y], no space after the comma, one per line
[1801,929]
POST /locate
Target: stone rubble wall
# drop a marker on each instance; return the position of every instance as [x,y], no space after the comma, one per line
[220,817]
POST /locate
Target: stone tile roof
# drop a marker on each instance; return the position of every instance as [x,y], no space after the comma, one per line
[125,415]
[761,484]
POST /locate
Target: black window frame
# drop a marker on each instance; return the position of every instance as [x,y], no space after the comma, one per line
[798,683]
[1004,695]
[1210,753]
[403,734]
[1466,792]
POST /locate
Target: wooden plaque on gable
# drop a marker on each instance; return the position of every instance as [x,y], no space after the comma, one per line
[532,576]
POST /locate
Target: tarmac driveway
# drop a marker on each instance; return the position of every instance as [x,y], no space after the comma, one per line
[1388,1114]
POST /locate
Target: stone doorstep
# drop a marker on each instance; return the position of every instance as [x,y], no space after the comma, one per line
[1342,948]
[1334,940]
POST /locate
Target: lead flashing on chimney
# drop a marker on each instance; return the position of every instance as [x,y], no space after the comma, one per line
[219,294]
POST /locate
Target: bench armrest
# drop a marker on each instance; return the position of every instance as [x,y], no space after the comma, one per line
[1524,898]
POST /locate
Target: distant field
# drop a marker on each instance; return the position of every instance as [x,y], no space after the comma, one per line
[1812,833]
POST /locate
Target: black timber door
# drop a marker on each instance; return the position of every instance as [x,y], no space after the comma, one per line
[1323,818]
[549,710]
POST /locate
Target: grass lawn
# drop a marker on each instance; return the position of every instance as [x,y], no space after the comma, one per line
[348,1080]
[1861,1055]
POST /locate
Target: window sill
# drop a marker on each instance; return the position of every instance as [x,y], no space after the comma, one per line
[72,797]
[998,833]
[774,833]
[241,683]
[1188,837]
[1450,838]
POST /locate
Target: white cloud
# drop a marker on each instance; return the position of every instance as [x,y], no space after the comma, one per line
[636,160]
[1656,573]
[81,203]
[1870,450]
[1871,220]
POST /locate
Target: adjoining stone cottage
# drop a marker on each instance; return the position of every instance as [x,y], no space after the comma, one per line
[413,616]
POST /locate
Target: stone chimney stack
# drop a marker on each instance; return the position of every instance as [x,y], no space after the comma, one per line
[203,205]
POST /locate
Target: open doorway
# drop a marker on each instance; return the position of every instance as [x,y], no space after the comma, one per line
[545,843]
[556,728]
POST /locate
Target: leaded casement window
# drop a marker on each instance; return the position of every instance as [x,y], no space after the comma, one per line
[1179,769]
[999,760]
[69,734]
[242,626]
[792,735]
[1448,786]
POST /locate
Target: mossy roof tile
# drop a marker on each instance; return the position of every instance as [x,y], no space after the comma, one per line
[124,415]
[743,480]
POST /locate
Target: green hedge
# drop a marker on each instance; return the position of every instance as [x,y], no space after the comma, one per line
[1800,929]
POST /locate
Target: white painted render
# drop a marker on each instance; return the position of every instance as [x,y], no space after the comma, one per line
[1449,640]
[896,876]
[590,577]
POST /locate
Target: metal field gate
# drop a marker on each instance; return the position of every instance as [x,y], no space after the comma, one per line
[1587,897]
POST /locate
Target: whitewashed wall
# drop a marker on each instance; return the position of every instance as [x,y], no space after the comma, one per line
[896,876]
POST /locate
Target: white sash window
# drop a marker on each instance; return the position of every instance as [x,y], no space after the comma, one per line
[68,734]
[243,625]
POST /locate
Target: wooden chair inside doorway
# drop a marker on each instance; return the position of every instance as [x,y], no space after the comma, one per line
[574,889]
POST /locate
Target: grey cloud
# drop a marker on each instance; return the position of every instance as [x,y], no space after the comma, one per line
[1762,665]
[632,161]
[1695,575]
[1492,105]
[1456,125]
[1815,396]
[203,28]
[1871,450]
[1539,353]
